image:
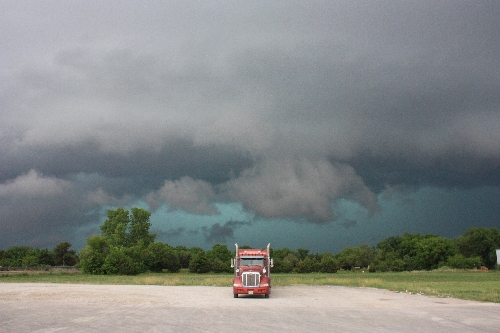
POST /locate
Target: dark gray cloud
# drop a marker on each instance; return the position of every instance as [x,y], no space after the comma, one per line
[169,160]
[285,107]
[42,210]
[187,194]
[347,223]
[299,188]
[218,233]
[168,235]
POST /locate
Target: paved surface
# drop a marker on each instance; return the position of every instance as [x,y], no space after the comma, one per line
[112,308]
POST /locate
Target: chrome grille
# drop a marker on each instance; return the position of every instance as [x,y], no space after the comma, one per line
[251,279]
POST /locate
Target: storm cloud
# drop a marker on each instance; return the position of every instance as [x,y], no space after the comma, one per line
[222,233]
[285,108]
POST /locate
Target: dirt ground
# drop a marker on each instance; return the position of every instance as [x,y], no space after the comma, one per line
[117,308]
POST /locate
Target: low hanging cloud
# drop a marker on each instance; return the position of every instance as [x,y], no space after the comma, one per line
[33,207]
[34,185]
[190,195]
[282,188]
[100,198]
[221,233]
[288,188]
[348,223]
[168,235]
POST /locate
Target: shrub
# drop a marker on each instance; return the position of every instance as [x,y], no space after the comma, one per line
[199,263]
[118,262]
[329,264]
[93,255]
[460,261]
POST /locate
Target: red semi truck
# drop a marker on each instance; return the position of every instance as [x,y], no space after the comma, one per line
[252,271]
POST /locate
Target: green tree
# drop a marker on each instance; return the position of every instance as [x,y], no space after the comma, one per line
[289,262]
[302,253]
[115,227]
[138,253]
[387,253]
[30,260]
[194,251]
[124,229]
[125,239]
[432,251]
[481,242]
[408,252]
[26,256]
[46,258]
[184,256]
[218,266]
[118,261]
[93,255]
[173,261]
[139,228]
[360,256]
[390,262]
[3,258]
[307,265]
[328,263]
[280,264]
[199,263]
[220,258]
[461,262]
[15,255]
[408,244]
[162,256]
[63,256]
[156,256]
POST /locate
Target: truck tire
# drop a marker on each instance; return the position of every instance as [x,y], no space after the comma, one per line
[266,295]
[235,295]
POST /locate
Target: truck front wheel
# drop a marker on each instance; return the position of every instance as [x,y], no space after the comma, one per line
[266,295]
[235,295]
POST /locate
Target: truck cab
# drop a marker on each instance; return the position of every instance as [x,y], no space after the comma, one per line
[252,271]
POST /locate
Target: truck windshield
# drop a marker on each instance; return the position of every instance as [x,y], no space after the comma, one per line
[252,261]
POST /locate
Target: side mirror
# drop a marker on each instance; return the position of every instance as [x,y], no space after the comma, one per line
[232,263]
[272,262]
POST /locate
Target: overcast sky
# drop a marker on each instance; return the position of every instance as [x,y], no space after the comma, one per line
[316,124]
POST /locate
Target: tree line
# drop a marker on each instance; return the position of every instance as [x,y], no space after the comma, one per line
[22,256]
[127,247]
[409,252]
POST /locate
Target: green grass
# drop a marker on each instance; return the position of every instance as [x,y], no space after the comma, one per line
[479,286]
[472,285]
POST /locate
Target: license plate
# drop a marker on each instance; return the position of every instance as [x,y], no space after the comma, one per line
[250,292]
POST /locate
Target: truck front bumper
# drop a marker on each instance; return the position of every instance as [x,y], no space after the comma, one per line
[252,290]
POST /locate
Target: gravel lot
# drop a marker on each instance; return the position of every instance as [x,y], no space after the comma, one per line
[115,308]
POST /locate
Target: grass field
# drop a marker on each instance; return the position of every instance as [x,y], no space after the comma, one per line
[472,285]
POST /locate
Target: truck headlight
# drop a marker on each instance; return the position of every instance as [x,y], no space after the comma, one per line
[237,284]
[265,285]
